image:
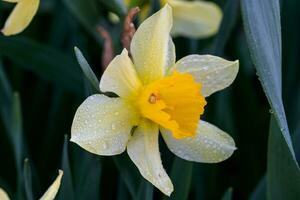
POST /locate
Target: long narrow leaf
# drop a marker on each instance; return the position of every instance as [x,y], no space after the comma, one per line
[44,61]
[228,194]
[28,180]
[283,175]
[129,173]
[263,32]
[88,72]
[181,175]
[66,188]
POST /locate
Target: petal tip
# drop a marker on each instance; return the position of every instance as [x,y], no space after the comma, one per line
[60,172]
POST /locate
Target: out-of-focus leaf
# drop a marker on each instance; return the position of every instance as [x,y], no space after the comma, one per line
[181,176]
[228,194]
[128,172]
[66,188]
[44,61]
[11,116]
[86,13]
[89,185]
[5,100]
[260,192]
[88,72]
[115,6]
[263,32]
[5,89]
[230,15]
[17,130]
[283,174]
[27,180]
[122,193]
[145,190]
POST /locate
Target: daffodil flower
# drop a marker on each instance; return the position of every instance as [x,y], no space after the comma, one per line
[156,94]
[49,194]
[20,17]
[195,19]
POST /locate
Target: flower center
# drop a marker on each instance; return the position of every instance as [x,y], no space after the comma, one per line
[174,102]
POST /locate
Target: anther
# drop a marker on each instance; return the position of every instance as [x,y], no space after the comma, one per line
[152,98]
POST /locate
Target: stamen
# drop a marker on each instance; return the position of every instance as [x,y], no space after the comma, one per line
[152,98]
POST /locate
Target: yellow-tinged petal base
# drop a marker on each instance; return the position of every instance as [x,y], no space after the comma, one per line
[174,102]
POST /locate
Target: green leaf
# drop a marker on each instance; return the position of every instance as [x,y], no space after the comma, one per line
[145,190]
[5,101]
[260,192]
[228,194]
[283,174]
[44,61]
[28,180]
[263,32]
[181,176]
[229,20]
[128,172]
[115,6]
[66,188]
[87,186]
[88,72]
[87,14]
[122,193]
[16,127]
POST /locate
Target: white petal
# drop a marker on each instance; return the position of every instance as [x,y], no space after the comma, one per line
[210,145]
[171,56]
[214,73]
[102,125]
[143,150]
[20,17]
[120,76]
[149,46]
[196,19]
[53,189]
[3,195]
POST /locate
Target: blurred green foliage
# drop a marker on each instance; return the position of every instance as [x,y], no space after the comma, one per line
[41,86]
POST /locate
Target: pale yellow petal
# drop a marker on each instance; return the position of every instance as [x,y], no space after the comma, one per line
[196,19]
[214,73]
[20,17]
[3,195]
[120,76]
[102,125]
[143,150]
[210,145]
[150,44]
[171,56]
[53,189]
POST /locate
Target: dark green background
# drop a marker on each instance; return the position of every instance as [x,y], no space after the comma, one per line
[41,86]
